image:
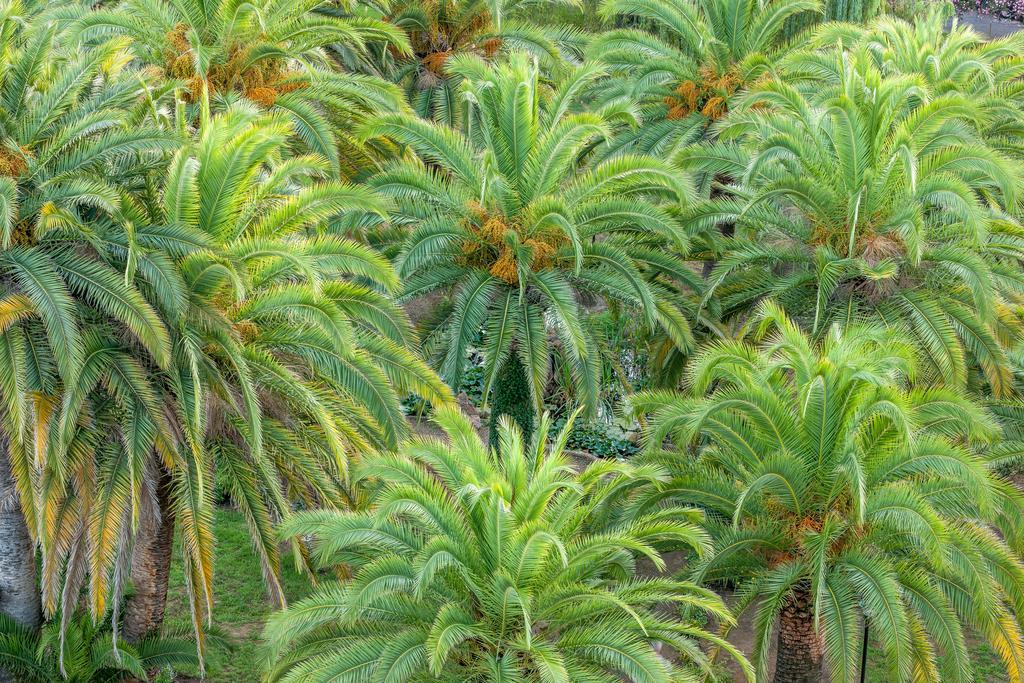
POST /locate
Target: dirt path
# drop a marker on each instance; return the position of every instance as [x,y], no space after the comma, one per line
[742,636]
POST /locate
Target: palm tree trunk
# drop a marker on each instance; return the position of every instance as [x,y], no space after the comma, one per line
[19,592]
[512,397]
[799,657]
[151,564]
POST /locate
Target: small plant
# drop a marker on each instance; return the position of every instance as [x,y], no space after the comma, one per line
[599,439]
[87,653]
[473,378]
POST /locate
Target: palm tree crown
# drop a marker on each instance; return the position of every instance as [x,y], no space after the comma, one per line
[837,494]
[304,356]
[504,218]
[870,196]
[950,56]
[698,55]
[475,567]
[441,29]
[271,53]
[84,653]
[288,357]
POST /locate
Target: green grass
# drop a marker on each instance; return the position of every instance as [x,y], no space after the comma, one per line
[988,667]
[240,601]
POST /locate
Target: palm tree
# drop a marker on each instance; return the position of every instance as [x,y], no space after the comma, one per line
[270,53]
[505,220]
[840,498]
[73,138]
[689,62]
[950,57]
[288,358]
[477,567]
[870,196]
[441,29]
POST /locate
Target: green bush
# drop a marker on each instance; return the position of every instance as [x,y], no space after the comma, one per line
[599,439]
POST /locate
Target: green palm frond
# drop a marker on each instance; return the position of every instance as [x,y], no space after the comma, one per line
[515,226]
[469,562]
[441,33]
[271,54]
[693,58]
[836,495]
[871,206]
[84,652]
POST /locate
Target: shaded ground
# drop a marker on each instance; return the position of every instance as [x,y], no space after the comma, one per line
[742,636]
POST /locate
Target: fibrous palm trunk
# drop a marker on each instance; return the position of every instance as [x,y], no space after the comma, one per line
[19,592]
[151,564]
[512,397]
[799,657]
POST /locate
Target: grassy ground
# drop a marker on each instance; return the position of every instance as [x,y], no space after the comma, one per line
[240,607]
[988,667]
